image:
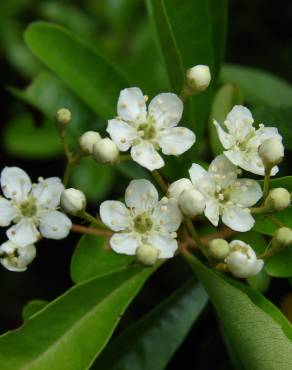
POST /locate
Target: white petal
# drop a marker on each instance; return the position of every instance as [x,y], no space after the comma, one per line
[54,225]
[145,154]
[212,212]
[115,215]
[15,183]
[7,212]
[238,219]
[246,192]
[17,257]
[23,233]
[198,174]
[165,243]
[223,171]
[256,267]
[121,133]
[48,192]
[167,215]
[131,105]
[176,140]
[177,187]
[167,110]
[226,139]
[239,118]
[141,195]
[125,243]
[264,133]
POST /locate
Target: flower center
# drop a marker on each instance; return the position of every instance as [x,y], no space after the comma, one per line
[147,130]
[143,223]
[28,208]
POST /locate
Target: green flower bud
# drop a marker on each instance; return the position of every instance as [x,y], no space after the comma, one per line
[105,151]
[192,202]
[198,78]
[88,140]
[271,152]
[277,200]
[63,116]
[282,238]
[73,201]
[218,248]
[147,255]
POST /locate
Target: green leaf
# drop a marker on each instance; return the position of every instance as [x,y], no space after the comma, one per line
[72,330]
[93,179]
[258,87]
[22,138]
[281,182]
[151,342]
[260,334]
[265,226]
[93,257]
[32,308]
[48,94]
[226,97]
[84,70]
[280,265]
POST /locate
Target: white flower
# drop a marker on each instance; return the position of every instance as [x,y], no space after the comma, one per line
[241,141]
[242,261]
[146,132]
[31,207]
[145,221]
[226,195]
[16,258]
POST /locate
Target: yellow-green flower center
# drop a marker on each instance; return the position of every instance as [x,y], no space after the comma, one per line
[143,223]
[28,208]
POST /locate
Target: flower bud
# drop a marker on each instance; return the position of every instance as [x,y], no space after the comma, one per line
[176,188]
[278,199]
[63,116]
[16,258]
[147,255]
[218,248]
[192,203]
[73,201]
[271,152]
[282,238]
[88,140]
[198,78]
[105,151]
[242,261]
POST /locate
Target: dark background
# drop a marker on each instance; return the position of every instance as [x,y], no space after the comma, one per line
[259,35]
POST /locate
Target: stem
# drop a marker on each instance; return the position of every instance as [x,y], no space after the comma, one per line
[93,220]
[124,157]
[67,173]
[158,178]
[266,183]
[275,220]
[90,231]
[195,236]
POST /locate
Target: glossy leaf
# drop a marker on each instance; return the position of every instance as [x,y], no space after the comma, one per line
[265,226]
[280,265]
[260,334]
[84,70]
[151,342]
[87,313]
[258,87]
[32,307]
[93,257]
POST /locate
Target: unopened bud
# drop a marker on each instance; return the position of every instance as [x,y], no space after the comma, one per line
[88,140]
[192,202]
[105,151]
[73,201]
[282,238]
[63,116]
[271,152]
[16,258]
[219,248]
[176,188]
[198,78]
[278,199]
[147,255]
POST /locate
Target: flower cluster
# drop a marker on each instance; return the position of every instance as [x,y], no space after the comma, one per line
[145,226]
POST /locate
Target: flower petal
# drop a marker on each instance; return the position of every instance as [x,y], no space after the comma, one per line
[167,110]
[223,171]
[145,154]
[54,225]
[17,257]
[131,105]
[121,133]
[212,212]
[7,212]
[238,219]
[125,243]
[23,233]
[165,243]
[198,174]
[245,192]
[239,119]
[177,187]
[115,215]
[48,192]
[15,183]
[226,139]
[176,140]
[141,195]
[167,215]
